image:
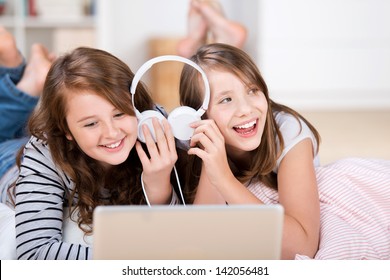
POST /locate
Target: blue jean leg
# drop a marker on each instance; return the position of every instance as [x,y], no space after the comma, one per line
[15,73]
[8,152]
[15,109]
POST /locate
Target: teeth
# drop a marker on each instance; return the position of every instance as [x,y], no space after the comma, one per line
[247,125]
[113,146]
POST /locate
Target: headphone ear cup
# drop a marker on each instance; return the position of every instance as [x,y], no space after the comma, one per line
[180,120]
[146,118]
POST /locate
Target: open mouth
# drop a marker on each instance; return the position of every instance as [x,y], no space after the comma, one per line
[113,145]
[246,128]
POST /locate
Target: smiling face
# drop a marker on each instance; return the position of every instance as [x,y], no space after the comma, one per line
[239,110]
[102,131]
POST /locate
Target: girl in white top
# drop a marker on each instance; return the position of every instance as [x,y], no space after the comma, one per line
[249,149]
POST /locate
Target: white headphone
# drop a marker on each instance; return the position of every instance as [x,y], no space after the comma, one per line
[181,117]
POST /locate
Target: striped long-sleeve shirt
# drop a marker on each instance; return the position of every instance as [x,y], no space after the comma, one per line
[40,199]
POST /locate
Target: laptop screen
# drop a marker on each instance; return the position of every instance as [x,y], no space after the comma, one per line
[192,232]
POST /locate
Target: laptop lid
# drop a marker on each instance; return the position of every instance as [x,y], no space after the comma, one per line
[194,232]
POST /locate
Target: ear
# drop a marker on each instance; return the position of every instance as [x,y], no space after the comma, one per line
[69,136]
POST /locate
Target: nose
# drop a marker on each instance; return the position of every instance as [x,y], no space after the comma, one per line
[110,130]
[243,106]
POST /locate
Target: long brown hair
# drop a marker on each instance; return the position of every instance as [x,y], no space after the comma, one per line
[97,71]
[231,59]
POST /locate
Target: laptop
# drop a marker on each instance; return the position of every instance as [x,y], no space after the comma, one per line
[195,232]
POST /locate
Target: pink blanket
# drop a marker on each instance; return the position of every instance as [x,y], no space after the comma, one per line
[355,209]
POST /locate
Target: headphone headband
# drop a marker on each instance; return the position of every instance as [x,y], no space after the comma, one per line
[148,64]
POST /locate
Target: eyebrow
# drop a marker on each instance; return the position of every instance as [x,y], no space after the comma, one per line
[217,95]
[93,116]
[86,118]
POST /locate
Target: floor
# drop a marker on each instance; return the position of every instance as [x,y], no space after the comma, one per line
[352,133]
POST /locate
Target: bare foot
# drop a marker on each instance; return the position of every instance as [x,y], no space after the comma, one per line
[36,70]
[9,53]
[222,29]
[196,33]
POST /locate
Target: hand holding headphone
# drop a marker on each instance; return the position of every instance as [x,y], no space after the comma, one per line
[181,117]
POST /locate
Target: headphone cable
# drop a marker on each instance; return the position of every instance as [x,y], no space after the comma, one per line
[178,183]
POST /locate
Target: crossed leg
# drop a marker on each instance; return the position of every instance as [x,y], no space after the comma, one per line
[208,24]
[36,69]
[9,54]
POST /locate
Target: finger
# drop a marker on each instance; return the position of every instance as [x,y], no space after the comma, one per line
[202,141]
[169,136]
[165,141]
[197,123]
[160,136]
[211,130]
[142,155]
[215,135]
[198,152]
[149,141]
[204,124]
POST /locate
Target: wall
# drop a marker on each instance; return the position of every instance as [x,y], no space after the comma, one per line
[318,54]
[329,54]
[125,27]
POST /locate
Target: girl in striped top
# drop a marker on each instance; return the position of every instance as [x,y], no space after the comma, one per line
[250,149]
[84,152]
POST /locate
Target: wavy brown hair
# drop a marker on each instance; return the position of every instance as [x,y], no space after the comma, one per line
[99,72]
[231,59]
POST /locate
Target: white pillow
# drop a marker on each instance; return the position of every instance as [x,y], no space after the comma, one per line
[71,233]
[7,233]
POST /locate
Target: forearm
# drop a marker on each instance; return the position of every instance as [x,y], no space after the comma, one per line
[227,189]
[39,226]
[157,192]
[207,194]
[298,193]
[53,250]
[234,192]
[298,241]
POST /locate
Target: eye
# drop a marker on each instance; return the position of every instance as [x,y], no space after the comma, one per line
[118,115]
[253,91]
[92,124]
[225,100]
